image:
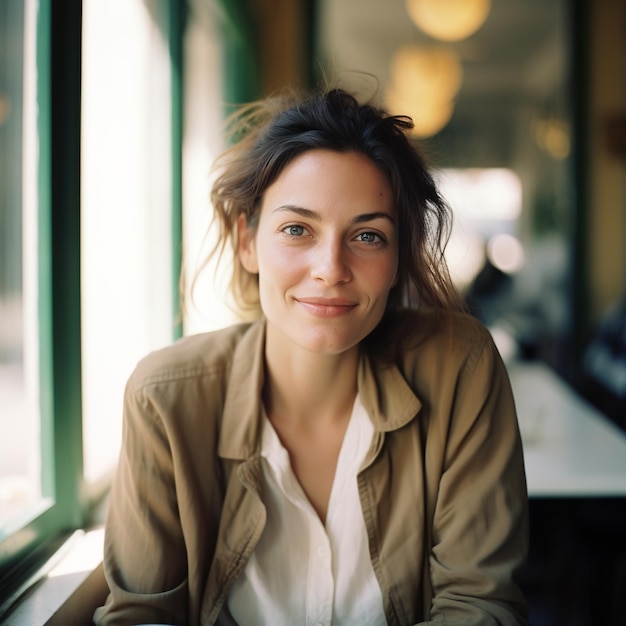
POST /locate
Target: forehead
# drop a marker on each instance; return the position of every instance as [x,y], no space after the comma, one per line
[318,179]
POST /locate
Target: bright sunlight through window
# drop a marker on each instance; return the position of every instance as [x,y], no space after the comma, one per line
[126,211]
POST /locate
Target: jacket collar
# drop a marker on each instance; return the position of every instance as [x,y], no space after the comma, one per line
[388,399]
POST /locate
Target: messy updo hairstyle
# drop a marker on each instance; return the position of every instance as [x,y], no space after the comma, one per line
[269,134]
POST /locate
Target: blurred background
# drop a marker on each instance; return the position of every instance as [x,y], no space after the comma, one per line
[111,114]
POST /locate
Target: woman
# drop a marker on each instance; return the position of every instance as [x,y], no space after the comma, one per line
[344,458]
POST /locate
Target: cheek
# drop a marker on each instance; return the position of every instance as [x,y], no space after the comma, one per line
[279,265]
[384,274]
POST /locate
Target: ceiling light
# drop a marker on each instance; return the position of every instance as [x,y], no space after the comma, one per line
[427,70]
[428,114]
[553,137]
[423,85]
[448,20]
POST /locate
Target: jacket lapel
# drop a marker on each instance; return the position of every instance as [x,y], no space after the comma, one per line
[388,399]
[241,420]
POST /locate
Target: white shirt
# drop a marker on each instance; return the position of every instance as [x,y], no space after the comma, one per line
[302,572]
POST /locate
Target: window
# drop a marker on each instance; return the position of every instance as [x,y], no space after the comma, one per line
[20,466]
[90,229]
[128,271]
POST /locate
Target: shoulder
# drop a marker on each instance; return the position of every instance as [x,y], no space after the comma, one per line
[190,357]
[441,345]
[442,329]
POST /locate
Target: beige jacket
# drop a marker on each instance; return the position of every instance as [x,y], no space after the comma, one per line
[442,489]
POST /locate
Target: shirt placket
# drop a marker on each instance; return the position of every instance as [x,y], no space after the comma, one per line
[321,587]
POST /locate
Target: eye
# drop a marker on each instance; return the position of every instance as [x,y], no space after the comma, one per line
[369,237]
[294,230]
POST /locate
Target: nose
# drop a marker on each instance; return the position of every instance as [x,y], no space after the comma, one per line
[330,264]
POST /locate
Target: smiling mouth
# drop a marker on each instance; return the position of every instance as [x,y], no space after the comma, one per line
[326,307]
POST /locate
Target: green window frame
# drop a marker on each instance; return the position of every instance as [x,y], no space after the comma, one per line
[58,102]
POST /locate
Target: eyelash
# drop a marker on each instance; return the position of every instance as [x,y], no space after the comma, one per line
[378,238]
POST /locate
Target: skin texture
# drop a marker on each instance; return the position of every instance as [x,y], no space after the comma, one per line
[326,253]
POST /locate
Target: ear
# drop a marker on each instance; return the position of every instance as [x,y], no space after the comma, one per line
[246,245]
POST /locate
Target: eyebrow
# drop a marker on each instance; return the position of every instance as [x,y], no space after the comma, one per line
[314,215]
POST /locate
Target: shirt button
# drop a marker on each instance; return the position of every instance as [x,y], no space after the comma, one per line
[321,552]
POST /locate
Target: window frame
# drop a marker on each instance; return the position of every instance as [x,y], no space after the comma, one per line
[58,101]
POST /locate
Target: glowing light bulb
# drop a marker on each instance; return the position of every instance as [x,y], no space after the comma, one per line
[448,20]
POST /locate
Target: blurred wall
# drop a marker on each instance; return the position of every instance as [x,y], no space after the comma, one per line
[606,219]
[284,41]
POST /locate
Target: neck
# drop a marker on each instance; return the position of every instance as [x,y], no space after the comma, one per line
[303,386]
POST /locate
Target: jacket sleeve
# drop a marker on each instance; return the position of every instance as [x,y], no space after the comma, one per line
[144,558]
[480,525]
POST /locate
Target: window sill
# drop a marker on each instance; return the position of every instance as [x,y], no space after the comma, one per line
[67,588]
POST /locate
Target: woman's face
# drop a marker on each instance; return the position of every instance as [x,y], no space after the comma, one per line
[325,250]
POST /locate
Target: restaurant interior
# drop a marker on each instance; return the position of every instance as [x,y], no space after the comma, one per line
[520,107]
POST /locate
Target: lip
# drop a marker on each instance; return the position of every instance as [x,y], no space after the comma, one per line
[327,307]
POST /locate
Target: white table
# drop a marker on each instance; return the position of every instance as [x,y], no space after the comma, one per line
[570,449]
